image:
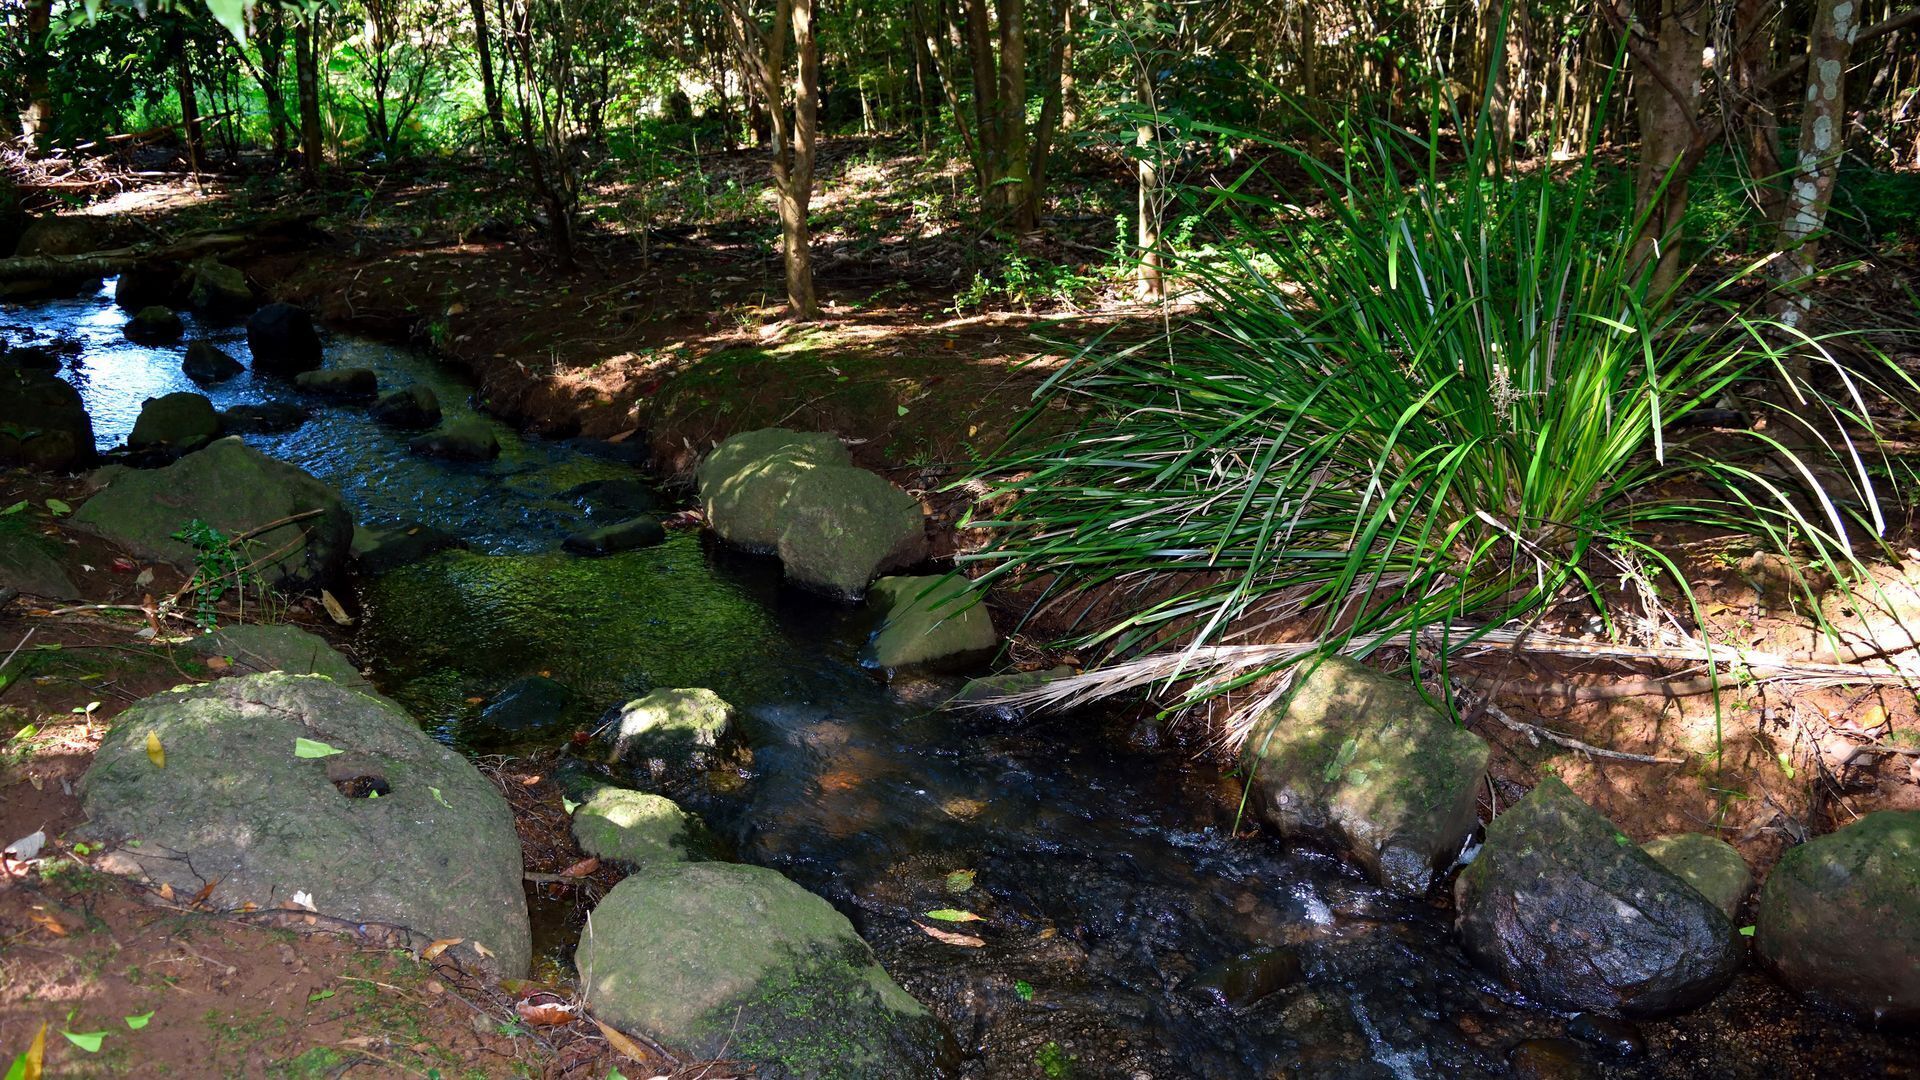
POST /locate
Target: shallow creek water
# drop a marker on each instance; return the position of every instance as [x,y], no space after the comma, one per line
[1125,931]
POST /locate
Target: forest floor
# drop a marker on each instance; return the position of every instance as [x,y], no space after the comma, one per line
[678,335]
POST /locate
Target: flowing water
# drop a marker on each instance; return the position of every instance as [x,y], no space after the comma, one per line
[1125,930]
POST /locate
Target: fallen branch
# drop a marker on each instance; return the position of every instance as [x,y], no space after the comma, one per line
[113,261]
[1534,733]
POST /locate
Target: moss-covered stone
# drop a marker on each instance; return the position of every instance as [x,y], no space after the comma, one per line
[340,384]
[677,727]
[745,480]
[174,424]
[718,959]
[30,563]
[1358,761]
[1839,918]
[928,618]
[620,536]
[1707,863]
[257,648]
[205,364]
[415,406]
[634,827]
[43,422]
[154,324]
[839,526]
[217,288]
[466,439]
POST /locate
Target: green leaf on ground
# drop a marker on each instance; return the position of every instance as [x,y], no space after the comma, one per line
[438,798]
[950,915]
[309,748]
[14,509]
[959,881]
[138,1022]
[86,1040]
[319,996]
[1023,989]
[58,507]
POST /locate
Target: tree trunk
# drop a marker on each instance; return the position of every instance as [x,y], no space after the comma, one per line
[307,78]
[797,191]
[1016,151]
[196,139]
[1667,100]
[490,91]
[270,23]
[1147,276]
[1053,92]
[1803,214]
[38,113]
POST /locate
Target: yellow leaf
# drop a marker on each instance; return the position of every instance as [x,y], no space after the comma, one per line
[334,610]
[36,1056]
[620,1041]
[440,946]
[155,752]
[1876,717]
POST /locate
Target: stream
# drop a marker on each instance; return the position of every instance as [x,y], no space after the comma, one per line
[1126,931]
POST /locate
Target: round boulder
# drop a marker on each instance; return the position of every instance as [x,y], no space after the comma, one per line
[745,480]
[725,960]
[1563,906]
[283,340]
[468,439]
[154,324]
[523,709]
[839,526]
[413,407]
[928,618]
[139,286]
[174,424]
[1707,863]
[218,289]
[634,827]
[282,784]
[205,364]
[676,727]
[1839,918]
[43,421]
[340,384]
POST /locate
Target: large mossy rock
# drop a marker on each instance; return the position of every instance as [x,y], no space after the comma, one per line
[218,289]
[725,960]
[413,407]
[234,488]
[676,727]
[839,526]
[30,563]
[927,618]
[1707,863]
[43,421]
[258,648]
[745,480]
[634,827]
[174,424]
[1839,918]
[435,852]
[1565,908]
[283,340]
[1359,762]
[155,324]
[206,363]
[467,439]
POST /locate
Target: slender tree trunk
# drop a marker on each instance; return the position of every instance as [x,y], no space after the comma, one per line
[196,139]
[1148,278]
[1822,143]
[1016,151]
[38,114]
[271,27]
[1667,99]
[799,186]
[1752,59]
[306,73]
[489,90]
[1053,91]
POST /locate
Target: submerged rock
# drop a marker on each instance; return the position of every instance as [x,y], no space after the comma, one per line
[43,421]
[621,536]
[839,526]
[726,960]
[340,384]
[928,618]
[1358,761]
[411,407]
[467,439]
[235,489]
[205,363]
[634,827]
[154,324]
[218,289]
[621,495]
[984,695]
[1707,863]
[1576,916]
[30,563]
[32,357]
[1839,918]
[436,852]
[379,550]
[283,340]
[524,707]
[1550,1059]
[174,424]
[745,480]
[258,648]
[676,727]
[267,418]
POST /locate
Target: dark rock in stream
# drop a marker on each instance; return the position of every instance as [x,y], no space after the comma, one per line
[621,536]
[467,439]
[32,358]
[283,340]
[218,289]
[172,425]
[1564,907]
[140,286]
[1551,1059]
[206,364]
[928,618]
[411,407]
[340,384]
[380,550]
[1619,1038]
[154,324]
[523,708]
[622,496]
[1251,976]
[269,418]
[43,422]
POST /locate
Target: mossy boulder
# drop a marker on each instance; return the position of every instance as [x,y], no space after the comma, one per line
[928,618]
[30,563]
[620,536]
[523,709]
[235,489]
[379,550]
[1707,863]
[1839,918]
[725,960]
[43,421]
[745,480]
[634,827]
[174,424]
[258,648]
[676,727]
[156,283]
[218,289]
[1568,910]
[435,852]
[413,407]
[466,439]
[1357,761]
[283,340]
[839,526]
[205,364]
[155,324]
[340,384]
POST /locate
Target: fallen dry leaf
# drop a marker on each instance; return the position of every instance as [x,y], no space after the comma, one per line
[621,1042]
[949,937]
[582,868]
[205,891]
[47,921]
[217,664]
[334,611]
[439,946]
[547,1013]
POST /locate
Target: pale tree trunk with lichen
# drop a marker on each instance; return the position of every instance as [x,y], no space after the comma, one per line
[1803,213]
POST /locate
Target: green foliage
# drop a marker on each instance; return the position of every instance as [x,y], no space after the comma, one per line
[1428,406]
[219,566]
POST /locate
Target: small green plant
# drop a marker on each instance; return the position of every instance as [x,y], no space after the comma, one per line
[218,567]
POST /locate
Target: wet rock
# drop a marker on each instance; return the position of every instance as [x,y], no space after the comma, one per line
[726,960]
[174,424]
[340,384]
[928,618]
[469,439]
[411,407]
[283,340]
[376,551]
[634,827]
[621,495]
[32,358]
[154,325]
[30,563]
[676,727]
[143,285]
[1249,977]
[524,707]
[43,422]
[1839,918]
[621,536]
[1550,1059]
[1707,863]
[435,853]
[1576,916]
[218,289]
[1358,761]
[59,234]
[839,526]
[234,488]
[206,364]
[744,481]
[268,418]
[258,648]
[984,695]
[1618,1038]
